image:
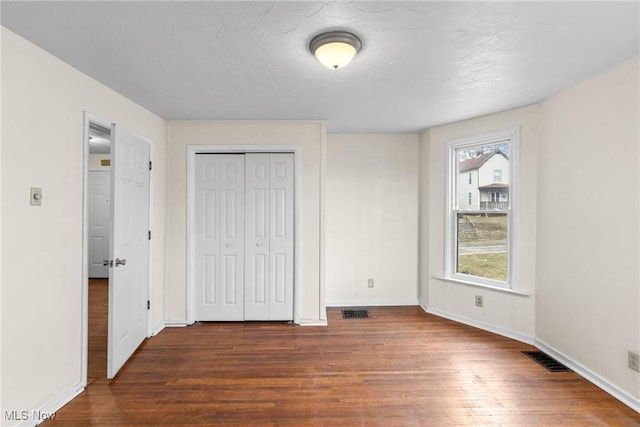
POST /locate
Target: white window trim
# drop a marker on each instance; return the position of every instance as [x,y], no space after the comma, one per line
[481,285]
[513,137]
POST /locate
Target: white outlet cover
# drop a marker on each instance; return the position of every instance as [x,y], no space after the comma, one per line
[634,361]
[36,196]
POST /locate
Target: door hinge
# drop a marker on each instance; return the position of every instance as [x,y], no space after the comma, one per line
[149,234]
[148,305]
[150,165]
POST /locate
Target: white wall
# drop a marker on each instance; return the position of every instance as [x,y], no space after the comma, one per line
[578,235]
[506,313]
[424,235]
[1,144]
[43,101]
[310,136]
[588,278]
[372,219]
[95,162]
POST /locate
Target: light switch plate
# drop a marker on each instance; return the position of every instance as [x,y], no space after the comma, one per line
[36,196]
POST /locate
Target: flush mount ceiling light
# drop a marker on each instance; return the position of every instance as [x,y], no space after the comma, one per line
[335,49]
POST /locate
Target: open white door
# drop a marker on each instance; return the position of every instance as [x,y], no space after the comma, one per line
[129,248]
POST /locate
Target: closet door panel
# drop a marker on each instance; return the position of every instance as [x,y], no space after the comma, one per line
[232,242]
[257,237]
[281,237]
[219,237]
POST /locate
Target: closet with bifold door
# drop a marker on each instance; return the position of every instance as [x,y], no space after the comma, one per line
[244,243]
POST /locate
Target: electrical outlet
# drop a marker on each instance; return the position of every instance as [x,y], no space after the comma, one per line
[370,283]
[479,301]
[633,361]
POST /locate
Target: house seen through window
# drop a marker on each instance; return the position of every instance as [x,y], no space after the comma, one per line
[480,222]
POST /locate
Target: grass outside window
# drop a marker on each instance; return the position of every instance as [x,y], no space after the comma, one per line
[482,245]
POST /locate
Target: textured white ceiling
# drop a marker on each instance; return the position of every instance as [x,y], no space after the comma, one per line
[422,63]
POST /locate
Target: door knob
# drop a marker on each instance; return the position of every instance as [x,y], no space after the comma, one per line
[120,261]
[107,263]
[228,245]
[258,244]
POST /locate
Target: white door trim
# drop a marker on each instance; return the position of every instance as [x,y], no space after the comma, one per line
[192,150]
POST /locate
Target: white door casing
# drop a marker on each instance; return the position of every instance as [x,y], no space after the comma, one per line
[99,211]
[129,247]
[219,237]
[269,236]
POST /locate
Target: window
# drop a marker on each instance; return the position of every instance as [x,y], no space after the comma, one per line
[480,237]
[470,181]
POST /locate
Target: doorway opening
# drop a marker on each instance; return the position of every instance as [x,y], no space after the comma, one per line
[116,247]
[99,219]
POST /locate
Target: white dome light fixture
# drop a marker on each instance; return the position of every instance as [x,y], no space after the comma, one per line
[335,49]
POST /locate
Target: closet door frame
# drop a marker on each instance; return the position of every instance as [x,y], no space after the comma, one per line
[192,151]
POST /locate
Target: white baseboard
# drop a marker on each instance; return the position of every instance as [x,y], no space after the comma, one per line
[375,302]
[48,410]
[313,322]
[589,375]
[303,322]
[157,329]
[518,336]
[586,373]
[175,324]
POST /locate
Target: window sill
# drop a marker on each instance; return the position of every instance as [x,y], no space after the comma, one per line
[482,285]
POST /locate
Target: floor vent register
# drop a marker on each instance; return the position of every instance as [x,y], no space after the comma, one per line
[355,314]
[549,363]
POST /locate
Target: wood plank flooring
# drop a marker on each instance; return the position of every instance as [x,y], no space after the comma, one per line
[98,316]
[401,367]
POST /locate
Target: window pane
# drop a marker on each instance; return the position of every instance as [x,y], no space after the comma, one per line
[482,245]
[490,188]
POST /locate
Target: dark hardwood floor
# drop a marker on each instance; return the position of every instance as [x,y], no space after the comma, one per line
[98,315]
[401,367]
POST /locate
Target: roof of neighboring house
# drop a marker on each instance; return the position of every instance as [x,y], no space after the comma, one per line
[494,186]
[476,162]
